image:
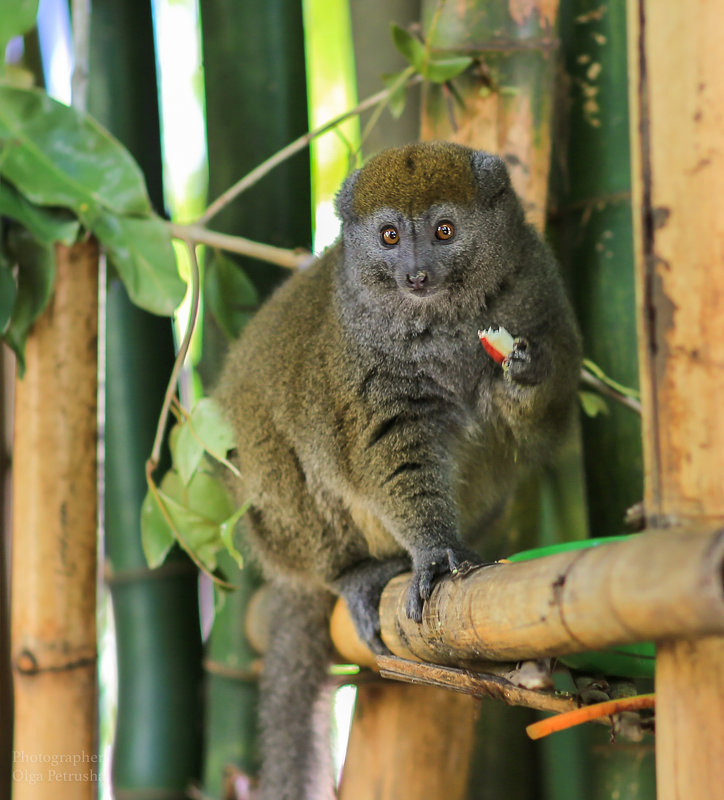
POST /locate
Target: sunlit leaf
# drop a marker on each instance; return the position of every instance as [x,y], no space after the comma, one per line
[143,255]
[156,536]
[208,497]
[437,70]
[47,226]
[205,430]
[229,294]
[593,404]
[187,453]
[227,530]
[57,156]
[445,69]
[396,82]
[409,46]
[16,18]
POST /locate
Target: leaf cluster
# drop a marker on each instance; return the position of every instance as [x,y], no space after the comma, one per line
[192,505]
[63,177]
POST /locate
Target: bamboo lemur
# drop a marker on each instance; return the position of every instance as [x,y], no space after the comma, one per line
[374,433]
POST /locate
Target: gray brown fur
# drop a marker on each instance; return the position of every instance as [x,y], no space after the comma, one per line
[374,433]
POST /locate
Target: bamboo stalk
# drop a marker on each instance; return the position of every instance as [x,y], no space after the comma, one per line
[651,587]
[509,99]
[678,170]
[384,756]
[54,541]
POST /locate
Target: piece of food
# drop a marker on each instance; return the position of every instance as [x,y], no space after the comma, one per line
[497,343]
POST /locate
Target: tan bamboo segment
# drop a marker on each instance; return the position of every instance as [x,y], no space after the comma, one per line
[677,124]
[651,587]
[509,100]
[385,761]
[53,606]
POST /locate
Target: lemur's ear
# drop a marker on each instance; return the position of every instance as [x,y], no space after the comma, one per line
[490,173]
[344,201]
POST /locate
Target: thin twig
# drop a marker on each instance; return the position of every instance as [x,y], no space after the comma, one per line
[196,234]
[282,155]
[602,388]
[155,456]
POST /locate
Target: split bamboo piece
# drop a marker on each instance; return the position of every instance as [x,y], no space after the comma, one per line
[54,542]
[677,126]
[653,586]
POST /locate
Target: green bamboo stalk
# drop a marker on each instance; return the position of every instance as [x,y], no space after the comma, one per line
[591,223]
[255,105]
[158,735]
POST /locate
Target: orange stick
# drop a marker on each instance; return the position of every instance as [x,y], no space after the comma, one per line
[579,715]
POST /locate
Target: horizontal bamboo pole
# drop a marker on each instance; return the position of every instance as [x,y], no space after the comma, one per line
[655,586]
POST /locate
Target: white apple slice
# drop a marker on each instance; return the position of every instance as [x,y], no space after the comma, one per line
[497,342]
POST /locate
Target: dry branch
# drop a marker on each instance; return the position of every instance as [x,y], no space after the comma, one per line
[479,684]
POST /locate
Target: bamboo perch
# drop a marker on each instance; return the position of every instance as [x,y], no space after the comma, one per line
[654,586]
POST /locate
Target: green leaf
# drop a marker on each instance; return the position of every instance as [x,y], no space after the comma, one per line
[46,226]
[208,497]
[157,538]
[396,82]
[57,156]
[438,70]
[229,294]
[409,46]
[16,18]
[445,69]
[593,404]
[196,512]
[205,430]
[35,281]
[227,529]
[8,291]
[187,453]
[143,255]
[212,427]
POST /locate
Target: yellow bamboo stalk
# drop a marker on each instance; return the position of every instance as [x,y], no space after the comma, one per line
[677,125]
[53,606]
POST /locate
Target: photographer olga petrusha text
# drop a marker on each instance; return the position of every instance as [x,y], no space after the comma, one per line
[55,767]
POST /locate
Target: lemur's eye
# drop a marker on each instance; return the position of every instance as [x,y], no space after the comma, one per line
[445,230]
[390,235]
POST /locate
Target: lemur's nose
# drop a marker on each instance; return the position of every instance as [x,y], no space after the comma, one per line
[417,281]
